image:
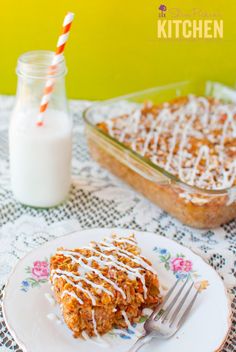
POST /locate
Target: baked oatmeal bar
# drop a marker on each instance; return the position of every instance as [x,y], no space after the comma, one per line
[104,285]
[193,139]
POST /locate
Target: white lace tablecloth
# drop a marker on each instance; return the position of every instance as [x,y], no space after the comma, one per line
[97,199]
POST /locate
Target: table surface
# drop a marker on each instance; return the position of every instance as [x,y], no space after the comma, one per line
[97,199]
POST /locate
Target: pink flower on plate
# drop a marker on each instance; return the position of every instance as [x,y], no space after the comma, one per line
[180,264]
[188,266]
[40,270]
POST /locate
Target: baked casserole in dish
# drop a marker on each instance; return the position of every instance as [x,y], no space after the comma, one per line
[174,144]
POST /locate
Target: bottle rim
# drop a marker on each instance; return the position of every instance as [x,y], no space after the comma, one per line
[36,63]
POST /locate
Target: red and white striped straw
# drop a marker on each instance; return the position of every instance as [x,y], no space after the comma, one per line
[61,43]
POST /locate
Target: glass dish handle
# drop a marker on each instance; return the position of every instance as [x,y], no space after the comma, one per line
[143,171]
[126,158]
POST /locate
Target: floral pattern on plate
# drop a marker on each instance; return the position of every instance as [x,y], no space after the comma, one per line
[180,266]
[38,274]
[204,319]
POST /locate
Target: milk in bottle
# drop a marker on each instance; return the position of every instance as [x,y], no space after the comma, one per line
[40,157]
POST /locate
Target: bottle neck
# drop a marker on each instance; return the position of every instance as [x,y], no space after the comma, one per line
[33,70]
[37,65]
[30,92]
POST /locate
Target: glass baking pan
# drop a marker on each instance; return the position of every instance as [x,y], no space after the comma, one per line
[191,205]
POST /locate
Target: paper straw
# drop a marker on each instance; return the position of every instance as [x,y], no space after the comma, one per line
[57,58]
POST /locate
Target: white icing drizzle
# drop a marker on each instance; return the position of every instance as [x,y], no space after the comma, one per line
[126,319]
[136,119]
[135,332]
[110,260]
[149,136]
[227,123]
[165,137]
[183,144]
[230,175]
[109,126]
[103,259]
[205,114]
[89,268]
[163,117]
[173,141]
[123,253]
[130,241]
[72,294]
[64,275]
[203,152]
[85,336]
[94,324]
[132,123]
[83,278]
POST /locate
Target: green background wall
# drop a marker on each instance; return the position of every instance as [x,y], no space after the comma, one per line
[113,48]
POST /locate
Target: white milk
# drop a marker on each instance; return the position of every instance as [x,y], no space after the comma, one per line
[40,157]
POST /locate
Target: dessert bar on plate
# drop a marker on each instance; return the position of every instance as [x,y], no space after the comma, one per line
[104,285]
[35,321]
[176,145]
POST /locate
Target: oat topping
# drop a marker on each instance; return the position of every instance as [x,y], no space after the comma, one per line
[103,285]
[192,137]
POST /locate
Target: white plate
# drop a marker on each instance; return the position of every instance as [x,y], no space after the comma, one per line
[26,309]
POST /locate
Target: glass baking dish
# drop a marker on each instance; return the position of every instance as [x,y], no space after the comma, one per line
[193,206]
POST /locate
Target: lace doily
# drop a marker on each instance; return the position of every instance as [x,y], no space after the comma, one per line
[97,199]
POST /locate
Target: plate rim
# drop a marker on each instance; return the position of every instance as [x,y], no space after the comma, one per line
[4,292]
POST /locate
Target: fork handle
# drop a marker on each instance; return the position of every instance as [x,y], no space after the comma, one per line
[140,342]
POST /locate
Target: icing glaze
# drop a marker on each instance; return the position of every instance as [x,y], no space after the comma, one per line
[110,253]
[193,139]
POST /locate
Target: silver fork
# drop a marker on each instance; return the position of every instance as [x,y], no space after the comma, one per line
[167,318]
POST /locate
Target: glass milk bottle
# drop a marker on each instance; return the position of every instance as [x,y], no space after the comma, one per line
[40,156]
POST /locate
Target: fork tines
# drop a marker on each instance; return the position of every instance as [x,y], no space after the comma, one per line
[177,304]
